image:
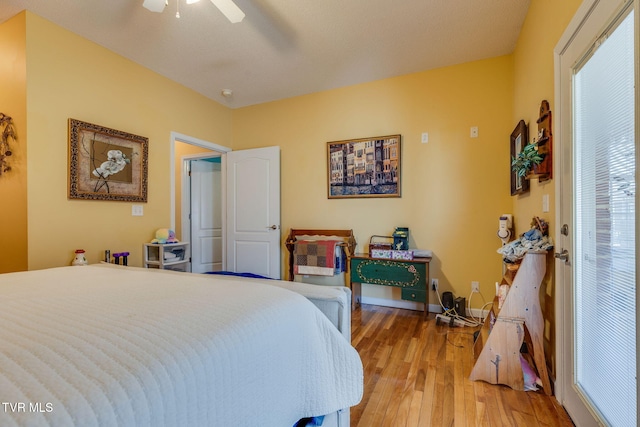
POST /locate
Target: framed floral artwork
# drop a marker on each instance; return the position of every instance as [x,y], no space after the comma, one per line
[106,164]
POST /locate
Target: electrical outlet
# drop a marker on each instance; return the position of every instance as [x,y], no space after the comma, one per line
[475,287]
[434,284]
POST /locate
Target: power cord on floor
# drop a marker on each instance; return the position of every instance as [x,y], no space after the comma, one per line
[457,319]
[478,321]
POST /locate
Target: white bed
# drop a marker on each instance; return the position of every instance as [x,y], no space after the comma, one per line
[104,345]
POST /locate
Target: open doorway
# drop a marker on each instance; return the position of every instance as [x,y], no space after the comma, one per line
[250,194]
[205,245]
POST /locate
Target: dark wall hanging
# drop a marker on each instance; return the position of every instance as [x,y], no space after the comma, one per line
[519,140]
[544,170]
[8,135]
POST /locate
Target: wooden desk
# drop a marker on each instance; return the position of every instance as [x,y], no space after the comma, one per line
[412,276]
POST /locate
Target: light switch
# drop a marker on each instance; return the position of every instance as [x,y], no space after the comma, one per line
[545,203]
[425,137]
[474,132]
[136,210]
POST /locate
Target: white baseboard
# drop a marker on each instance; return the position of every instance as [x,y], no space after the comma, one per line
[410,305]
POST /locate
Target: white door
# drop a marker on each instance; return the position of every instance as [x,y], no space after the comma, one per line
[596,246]
[253,211]
[206,215]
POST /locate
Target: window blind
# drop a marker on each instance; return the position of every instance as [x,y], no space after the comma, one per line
[605,219]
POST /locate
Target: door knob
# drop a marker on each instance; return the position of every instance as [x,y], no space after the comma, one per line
[273,227]
[564,255]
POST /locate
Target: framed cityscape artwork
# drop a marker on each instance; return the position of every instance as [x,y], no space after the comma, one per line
[364,167]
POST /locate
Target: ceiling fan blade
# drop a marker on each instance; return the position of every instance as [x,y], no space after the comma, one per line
[228,9]
[154,5]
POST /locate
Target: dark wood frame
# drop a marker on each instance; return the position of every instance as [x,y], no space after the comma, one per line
[519,138]
[84,161]
[350,242]
[544,170]
[383,178]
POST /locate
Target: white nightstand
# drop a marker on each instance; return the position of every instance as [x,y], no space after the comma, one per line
[167,256]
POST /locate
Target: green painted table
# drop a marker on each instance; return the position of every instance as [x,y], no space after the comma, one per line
[412,276]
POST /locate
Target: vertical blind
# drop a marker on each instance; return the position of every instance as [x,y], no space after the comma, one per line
[605,218]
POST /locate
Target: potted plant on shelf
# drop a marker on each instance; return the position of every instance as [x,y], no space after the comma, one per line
[524,162]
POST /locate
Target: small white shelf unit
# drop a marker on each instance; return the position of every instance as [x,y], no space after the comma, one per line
[167,256]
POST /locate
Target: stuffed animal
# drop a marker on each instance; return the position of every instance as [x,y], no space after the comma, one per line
[165,235]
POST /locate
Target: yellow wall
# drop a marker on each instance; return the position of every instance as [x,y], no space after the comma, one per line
[454,188]
[534,82]
[13,184]
[70,77]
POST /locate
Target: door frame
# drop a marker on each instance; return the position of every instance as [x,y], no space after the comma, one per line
[185,203]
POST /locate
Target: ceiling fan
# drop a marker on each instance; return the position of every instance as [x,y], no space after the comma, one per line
[227,7]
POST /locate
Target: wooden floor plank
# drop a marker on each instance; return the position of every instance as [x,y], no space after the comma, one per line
[416,373]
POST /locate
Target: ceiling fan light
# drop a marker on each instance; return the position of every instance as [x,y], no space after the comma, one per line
[154,5]
[230,10]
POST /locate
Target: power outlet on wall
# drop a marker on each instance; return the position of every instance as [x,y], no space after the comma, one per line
[434,284]
[475,287]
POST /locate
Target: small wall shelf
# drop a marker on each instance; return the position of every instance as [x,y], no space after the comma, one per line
[544,171]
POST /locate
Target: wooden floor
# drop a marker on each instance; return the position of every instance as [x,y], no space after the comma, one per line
[416,374]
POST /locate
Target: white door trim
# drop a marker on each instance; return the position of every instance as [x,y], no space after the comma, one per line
[221,151]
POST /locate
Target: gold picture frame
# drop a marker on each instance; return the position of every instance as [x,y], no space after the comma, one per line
[106,164]
[364,167]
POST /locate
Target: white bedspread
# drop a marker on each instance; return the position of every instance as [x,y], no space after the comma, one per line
[120,346]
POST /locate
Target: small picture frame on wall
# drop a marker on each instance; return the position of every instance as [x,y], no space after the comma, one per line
[106,164]
[364,167]
[519,138]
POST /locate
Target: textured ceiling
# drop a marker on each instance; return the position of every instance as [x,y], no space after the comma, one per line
[285,48]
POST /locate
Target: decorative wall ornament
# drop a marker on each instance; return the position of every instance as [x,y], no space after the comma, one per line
[544,170]
[8,134]
[106,164]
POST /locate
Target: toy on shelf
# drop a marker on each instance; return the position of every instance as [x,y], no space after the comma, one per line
[165,235]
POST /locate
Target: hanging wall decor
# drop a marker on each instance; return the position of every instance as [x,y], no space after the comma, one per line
[518,141]
[106,164]
[365,167]
[8,134]
[544,170]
